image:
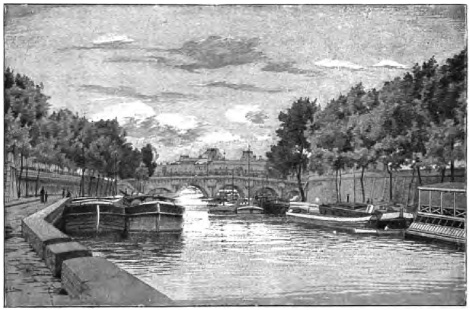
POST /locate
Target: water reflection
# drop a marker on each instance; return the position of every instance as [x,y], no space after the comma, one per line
[268,260]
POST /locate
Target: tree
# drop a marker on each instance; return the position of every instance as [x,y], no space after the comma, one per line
[292,151]
[148,158]
[141,174]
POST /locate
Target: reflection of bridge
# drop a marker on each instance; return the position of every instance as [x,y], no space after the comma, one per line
[210,185]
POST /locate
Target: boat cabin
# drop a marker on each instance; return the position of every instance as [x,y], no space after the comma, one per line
[442,212]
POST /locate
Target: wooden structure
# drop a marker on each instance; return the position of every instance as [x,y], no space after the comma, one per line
[442,213]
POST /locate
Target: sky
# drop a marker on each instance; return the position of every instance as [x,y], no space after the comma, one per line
[185,78]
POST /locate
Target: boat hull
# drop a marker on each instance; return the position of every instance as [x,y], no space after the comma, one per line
[330,221]
[93,216]
[250,210]
[155,216]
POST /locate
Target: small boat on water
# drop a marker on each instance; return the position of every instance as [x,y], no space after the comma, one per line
[153,213]
[272,205]
[240,207]
[94,215]
[357,218]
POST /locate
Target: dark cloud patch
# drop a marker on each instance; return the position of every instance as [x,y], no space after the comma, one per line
[244,87]
[129,92]
[256,117]
[164,135]
[216,52]
[289,68]
[131,59]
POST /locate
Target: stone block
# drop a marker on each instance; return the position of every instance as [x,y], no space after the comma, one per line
[39,234]
[56,254]
[98,282]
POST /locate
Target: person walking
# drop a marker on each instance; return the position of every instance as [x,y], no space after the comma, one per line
[45,196]
[41,193]
[63,192]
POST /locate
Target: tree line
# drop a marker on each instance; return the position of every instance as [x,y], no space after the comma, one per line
[63,138]
[416,120]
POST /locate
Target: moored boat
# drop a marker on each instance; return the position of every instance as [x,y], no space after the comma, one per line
[153,213]
[94,215]
[272,205]
[370,218]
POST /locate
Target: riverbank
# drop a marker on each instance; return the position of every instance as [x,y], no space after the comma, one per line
[28,282]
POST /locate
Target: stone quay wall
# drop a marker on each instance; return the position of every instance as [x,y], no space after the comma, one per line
[376,186]
[95,281]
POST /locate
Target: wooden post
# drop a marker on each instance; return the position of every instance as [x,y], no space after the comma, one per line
[354,186]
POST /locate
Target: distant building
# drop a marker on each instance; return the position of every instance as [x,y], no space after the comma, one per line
[213,162]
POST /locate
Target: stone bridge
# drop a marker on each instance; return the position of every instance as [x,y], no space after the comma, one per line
[211,185]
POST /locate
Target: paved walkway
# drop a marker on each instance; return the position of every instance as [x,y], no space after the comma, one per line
[28,282]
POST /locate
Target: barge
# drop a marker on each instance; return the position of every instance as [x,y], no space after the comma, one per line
[94,215]
[153,213]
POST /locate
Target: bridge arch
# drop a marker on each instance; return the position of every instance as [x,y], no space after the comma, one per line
[159,190]
[265,189]
[200,187]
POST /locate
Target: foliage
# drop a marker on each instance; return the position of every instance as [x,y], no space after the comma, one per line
[63,138]
[292,151]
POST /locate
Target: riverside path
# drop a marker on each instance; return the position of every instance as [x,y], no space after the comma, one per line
[28,282]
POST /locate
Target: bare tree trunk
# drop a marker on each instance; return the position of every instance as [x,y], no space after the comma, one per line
[336,185]
[106,188]
[443,174]
[362,184]
[452,161]
[391,182]
[82,183]
[410,186]
[90,179]
[299,183]
[26,180]
[339,186]
[97,184]
[37,184]
[420,181]
[21,174]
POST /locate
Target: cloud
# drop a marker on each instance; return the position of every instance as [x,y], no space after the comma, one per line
[238,113]
[125,110]
[129,92]
[216,52]
[168,134]
[105,42]
[330,63]
[256,117]
[218,136]
[287,67]
[112,39]
[243,87]
[390,64]
[178,121]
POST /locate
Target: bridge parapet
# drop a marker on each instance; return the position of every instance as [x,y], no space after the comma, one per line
[211,184]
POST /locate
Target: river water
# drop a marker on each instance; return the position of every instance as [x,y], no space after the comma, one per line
[267,260]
